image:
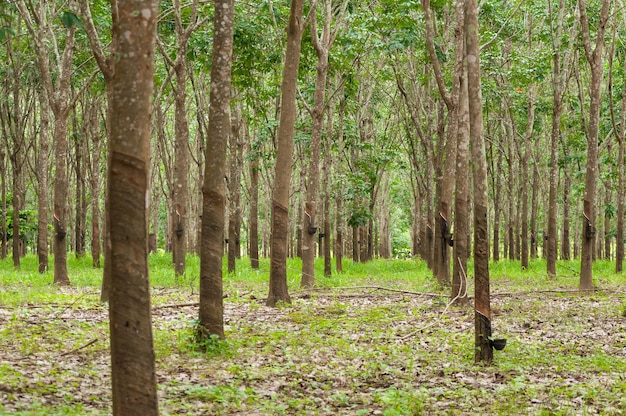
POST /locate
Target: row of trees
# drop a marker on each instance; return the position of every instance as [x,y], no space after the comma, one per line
[356,120]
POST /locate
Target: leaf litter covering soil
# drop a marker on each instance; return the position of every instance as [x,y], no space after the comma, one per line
[363,352]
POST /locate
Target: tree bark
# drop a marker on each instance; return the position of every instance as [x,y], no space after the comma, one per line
[253,236]
[278,291]
[483,350]
[132,353]
[214,188]
[594,57]
[461,212]
[234,191]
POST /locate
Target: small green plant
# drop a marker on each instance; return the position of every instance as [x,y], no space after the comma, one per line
[210,344]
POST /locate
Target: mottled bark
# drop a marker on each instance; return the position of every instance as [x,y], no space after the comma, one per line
[594,57]
[214,188]
[280,201]
[322,44]
[42,183]
[253,235]
[461,250]
[3,204]
[57,89]
[483,350]
[527,150]
[234,191]
[132,352]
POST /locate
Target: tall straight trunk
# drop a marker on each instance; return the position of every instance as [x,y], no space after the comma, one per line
[61,186]
[483,349]
[443,220]
[60,104]
[95,184]
[557,108]
[339,228]
[214,189]
[253,236]
[594,57]
[179,216]
[534,206]
[80,201]
[565,237]
[278,291]
[524,182]
[234,192]
[42,183]
[322,44]
[18,205]
[497,210]
[511,198]
[132,353]
[461,212]
[106,65]
[619,247]
[3,204]
[326,170]
[607,222]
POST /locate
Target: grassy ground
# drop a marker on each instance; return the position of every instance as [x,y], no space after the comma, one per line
[349,347]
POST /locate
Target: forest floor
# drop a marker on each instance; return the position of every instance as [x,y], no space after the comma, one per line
[381,341]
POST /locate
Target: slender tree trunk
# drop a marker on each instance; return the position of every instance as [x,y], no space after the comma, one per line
[42,183]
[214,189]
[253,236]
[594,57]
[80,204]
[95,182]
[497,210]
[534,206]
[3,202]
[525,156]
[326,169]
[461,223]
[619,248]
[483,349]
[234,192]
[278,291]
[132,352]
[565,237]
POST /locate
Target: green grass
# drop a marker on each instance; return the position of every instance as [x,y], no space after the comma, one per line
[334,350]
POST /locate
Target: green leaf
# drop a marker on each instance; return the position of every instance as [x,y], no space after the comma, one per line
[69,19]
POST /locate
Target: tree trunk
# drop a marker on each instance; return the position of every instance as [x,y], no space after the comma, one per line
[483,349]
[594,57]
[497,210]
[534,205]
[42,183]
[214,189]
[565,237]
[253,236]
[60,103]
[234,192]
[278,291]
[461,213]
[3,202]
[525,156]
[95,182]
[80,202]
[322,45]
[619,248]
[132,352]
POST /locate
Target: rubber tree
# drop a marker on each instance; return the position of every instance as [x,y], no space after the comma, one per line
[483,349]
[132,352]
[595,60]
[278,291]
[214,189]
[55,78]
